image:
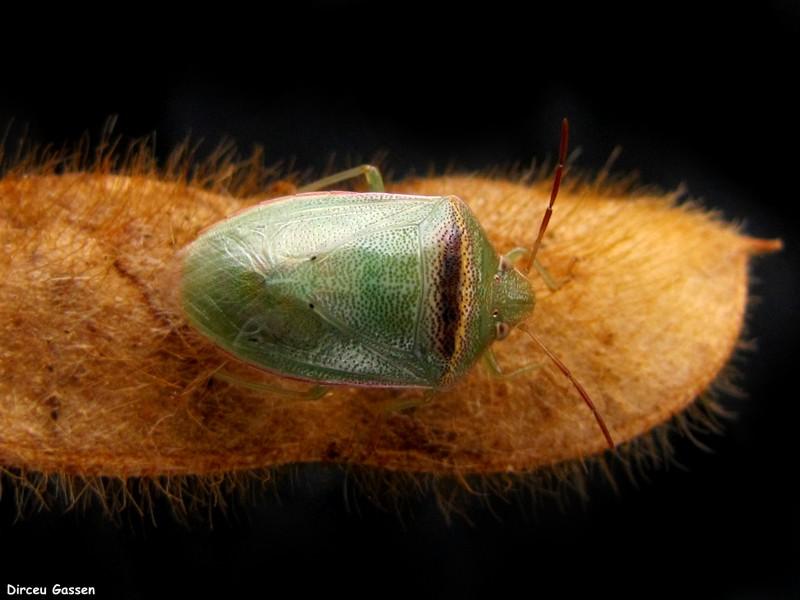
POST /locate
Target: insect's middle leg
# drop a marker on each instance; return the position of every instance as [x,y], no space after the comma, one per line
[391,406]
[314,393]
[370,173]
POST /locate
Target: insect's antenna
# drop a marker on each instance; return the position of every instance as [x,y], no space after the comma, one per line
[563,368]
[562,157]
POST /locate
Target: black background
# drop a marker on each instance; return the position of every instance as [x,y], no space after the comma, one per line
[695,95]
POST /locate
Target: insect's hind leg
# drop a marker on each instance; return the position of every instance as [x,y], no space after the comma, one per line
[369,172]
[490,360]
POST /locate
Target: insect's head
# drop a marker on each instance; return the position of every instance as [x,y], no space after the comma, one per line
[512,298]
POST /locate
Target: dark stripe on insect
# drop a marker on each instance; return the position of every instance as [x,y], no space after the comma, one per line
[449,290]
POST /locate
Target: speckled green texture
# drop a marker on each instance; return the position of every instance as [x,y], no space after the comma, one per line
[365,289]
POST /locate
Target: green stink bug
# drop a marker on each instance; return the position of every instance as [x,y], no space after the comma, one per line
[366,289]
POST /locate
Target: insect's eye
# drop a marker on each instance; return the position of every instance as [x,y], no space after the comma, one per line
[504,264]
[502,330]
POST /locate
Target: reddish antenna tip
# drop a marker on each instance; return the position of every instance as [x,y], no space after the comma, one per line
[562,154]
[559,172]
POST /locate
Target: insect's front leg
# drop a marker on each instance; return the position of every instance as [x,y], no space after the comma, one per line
[369,172]
[514,255]
[490,360]
[547,276]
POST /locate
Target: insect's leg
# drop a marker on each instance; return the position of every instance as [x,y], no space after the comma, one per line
[313,393]
[514,255]
[390,406]
[370,173]
[494,368]
[546,276]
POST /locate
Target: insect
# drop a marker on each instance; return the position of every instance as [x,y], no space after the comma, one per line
[365,289]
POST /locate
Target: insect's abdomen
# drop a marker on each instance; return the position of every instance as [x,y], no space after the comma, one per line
[365,289]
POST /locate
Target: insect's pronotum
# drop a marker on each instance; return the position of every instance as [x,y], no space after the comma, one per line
[370,289]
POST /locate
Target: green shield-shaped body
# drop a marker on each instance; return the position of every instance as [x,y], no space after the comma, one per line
[370,289]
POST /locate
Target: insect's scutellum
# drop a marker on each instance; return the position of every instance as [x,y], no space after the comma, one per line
[363,289]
